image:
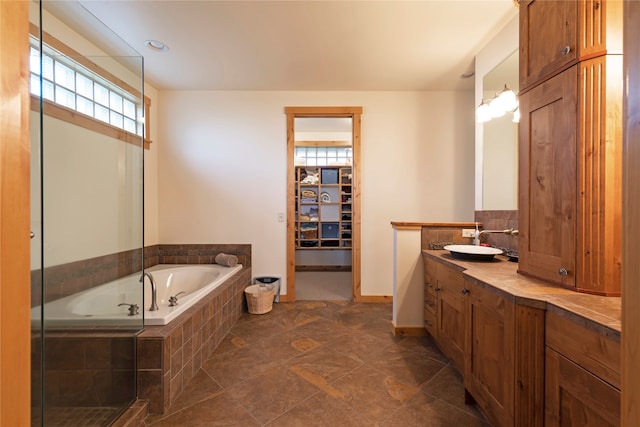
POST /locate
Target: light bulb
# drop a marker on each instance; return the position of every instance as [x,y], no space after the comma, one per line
[483,113]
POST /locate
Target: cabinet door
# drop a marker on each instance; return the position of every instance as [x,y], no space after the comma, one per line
[548,180]
[490,367]
[575,397]
[430,297]
[548,38]
[450,312]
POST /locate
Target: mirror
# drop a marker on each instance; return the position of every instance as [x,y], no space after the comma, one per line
[500,142]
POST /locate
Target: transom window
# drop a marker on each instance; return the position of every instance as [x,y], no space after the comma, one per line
[323,156]
[67,83]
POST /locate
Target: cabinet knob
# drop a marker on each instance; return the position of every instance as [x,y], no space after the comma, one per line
[464,291]
[563,272]
[437,289]
[428,323]
[565,50]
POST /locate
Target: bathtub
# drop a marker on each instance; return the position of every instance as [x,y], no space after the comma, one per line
[99,306]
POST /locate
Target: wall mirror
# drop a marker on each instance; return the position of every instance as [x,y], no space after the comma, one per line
[500,142]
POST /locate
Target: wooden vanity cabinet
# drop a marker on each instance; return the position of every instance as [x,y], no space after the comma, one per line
[430,298]
[547,180]
[582,373]
[570,144]
[489,369]
[504,364]
[451,314]
[444,309]
[556,34]
[544,52]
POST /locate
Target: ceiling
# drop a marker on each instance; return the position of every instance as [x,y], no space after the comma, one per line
[326,45]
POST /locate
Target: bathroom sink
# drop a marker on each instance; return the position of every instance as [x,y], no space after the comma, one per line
[472,252]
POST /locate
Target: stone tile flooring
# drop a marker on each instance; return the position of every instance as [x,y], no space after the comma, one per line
[322,363]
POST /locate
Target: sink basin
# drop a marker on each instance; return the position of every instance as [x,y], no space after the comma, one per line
[472,252]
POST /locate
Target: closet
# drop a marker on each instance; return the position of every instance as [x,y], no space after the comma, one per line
[323,203]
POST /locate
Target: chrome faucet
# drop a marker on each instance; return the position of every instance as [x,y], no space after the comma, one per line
[510,231]
[154,305]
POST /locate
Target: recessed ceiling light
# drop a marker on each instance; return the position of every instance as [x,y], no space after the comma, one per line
[467,75]
[156,45]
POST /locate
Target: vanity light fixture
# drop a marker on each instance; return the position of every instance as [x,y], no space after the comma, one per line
[503,102]
[156,45]
[483,112]
[516,115]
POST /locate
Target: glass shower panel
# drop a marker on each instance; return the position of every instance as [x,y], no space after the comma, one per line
[87,217]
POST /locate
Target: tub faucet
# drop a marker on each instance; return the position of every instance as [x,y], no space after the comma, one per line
[154,305]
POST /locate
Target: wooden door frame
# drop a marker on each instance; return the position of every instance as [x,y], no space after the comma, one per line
[15,295]
[630,220]
[355,114]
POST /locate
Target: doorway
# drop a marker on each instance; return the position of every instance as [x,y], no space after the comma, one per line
[323,199]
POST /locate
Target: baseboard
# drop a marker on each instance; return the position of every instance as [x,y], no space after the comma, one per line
[408,331]
[374,298]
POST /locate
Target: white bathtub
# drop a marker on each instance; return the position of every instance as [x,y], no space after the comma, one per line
[99,306]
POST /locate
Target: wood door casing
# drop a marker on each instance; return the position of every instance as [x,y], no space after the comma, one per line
[355,114]
[15,295]
[548,181]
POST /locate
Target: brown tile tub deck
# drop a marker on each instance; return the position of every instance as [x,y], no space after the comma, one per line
[168,356]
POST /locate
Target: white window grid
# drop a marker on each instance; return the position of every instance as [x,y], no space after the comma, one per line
[323,156]
[67,83]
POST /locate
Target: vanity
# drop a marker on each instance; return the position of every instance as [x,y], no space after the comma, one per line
[531,353]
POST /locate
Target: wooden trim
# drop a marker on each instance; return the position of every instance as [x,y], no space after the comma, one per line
[630,386]
[408,331]
[291,211]
[15,363]
[375,298]
[324,144]
[356,224]
[83,120]
[323,111]
[356,198]
[68,115]
[81,59]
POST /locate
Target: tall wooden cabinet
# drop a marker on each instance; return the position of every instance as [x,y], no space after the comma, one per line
[570,143]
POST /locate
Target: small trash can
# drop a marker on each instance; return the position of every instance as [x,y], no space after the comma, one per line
[266,280]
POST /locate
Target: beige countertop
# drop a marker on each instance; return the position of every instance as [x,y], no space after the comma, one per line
[598,313]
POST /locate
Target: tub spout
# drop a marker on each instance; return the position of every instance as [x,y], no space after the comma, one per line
[154,305]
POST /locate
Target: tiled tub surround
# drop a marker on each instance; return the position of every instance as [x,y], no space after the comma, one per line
[89,375]
[182,343]
[67,279]
[169,356]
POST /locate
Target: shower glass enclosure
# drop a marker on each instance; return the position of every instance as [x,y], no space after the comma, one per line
[87,146]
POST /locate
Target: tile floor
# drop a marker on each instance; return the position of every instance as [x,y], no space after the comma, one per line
[322,363]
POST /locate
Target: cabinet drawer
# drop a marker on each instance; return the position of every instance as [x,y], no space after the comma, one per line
[430,302]
[593,351]
[575,397]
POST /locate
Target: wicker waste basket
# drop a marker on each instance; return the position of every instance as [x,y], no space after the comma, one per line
[259,298]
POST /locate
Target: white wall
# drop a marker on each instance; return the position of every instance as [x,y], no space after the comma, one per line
[221,171]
